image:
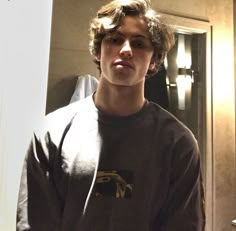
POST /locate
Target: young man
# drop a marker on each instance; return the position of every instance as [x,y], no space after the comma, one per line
[115,161]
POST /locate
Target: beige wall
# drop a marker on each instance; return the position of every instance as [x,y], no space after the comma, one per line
[221,16]
[69,49]
[70,57]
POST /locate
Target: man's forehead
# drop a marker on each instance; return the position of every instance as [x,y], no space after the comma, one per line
[133,25]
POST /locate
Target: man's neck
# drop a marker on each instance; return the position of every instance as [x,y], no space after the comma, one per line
[119,100]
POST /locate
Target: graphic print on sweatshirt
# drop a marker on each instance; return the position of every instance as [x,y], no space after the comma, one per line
[114,183]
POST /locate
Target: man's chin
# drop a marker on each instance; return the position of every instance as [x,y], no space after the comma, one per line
[125,82]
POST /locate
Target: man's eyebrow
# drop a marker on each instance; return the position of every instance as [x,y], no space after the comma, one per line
[133,35]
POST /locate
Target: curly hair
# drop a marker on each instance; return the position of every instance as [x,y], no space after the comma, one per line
[108,19]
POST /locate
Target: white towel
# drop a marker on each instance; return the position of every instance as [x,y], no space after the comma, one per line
[85,86]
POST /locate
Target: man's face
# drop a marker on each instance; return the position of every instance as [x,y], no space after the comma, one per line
[126,54]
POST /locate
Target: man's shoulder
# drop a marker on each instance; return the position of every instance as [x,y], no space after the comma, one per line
[170,124]
[57,121]
[70,110]
[164,116]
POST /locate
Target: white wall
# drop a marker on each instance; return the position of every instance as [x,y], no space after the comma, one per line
[24,44]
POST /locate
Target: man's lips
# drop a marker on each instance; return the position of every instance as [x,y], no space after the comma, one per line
[123,63]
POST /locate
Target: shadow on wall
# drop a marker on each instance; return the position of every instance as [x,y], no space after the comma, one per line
[60,92]
[156,88]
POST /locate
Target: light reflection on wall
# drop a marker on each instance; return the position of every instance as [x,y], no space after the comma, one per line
[223,83]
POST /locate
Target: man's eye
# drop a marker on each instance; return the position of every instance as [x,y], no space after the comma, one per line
[141,44]
[116,40]
[138,44]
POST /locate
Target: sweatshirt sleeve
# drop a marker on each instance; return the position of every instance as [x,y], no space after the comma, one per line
[40,202]
[184,206]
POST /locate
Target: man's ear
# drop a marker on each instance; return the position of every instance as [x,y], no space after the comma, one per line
[98,58]
[151,65]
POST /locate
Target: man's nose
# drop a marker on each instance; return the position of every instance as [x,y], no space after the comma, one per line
[126,49]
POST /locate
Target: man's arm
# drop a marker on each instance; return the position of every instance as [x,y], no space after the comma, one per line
[39,204]
[184,207]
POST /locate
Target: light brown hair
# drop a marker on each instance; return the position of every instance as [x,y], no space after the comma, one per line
[108,19]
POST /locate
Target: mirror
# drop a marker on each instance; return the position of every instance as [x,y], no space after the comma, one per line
[70,58]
